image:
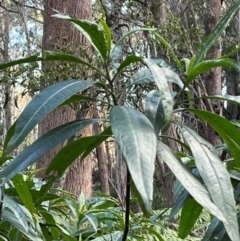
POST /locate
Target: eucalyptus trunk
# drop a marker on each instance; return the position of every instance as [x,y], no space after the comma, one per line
[57,35]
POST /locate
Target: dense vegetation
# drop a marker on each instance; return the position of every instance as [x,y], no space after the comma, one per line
[206,175]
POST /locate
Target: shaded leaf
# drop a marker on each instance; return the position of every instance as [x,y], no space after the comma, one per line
[225,129]
[216,33]
[92,31]
[51,139]
[39,107]
[162,84]
[76,98]
[31,59]
[137,140]
[216,179]
[188,180]
[153,109]
[209,64]
[130,59]
[69,153]
[189,215]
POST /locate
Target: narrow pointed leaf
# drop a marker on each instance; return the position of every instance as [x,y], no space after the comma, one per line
[162,84]
[216,179]
[31,59]
[129,33]
[170,49]
[141,77]
[213,230]
[56,56]
[40,106]
[137,140]
[229,133]
[216,33]
[153,109]
[188,180]
[130,59]
[108,35]
[51,139]
[10,204]
[91,31]
[206,65]
[189,215]
[24,193]
[171,76]
[69,153]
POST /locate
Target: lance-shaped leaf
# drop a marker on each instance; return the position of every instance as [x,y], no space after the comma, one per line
[209,64]
[162,84]
[225,129]
[216,179]
[153,109]
[189,215]
[31,59]
[70,152]
[39,107]
[17,211]
[130,59]
[188,180]
[92,31]
[56,56]
[136,137]
[215,34]
[51,139]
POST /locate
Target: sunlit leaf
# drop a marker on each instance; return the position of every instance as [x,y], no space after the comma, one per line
[216,179]
[130,59]
[40,106]
[137,140]
[188,180]
[46,142]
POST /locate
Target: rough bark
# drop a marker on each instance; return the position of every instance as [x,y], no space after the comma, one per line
[101,158]
[213,81]
[56,31]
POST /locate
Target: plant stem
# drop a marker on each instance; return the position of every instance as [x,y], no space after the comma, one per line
[127,206]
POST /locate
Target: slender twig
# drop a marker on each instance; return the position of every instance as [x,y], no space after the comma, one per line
[127,213]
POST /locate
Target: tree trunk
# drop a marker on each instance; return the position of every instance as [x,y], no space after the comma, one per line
[213,80]
[57,34]
[101,157]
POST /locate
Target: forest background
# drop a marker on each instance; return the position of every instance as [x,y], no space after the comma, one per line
[170,34]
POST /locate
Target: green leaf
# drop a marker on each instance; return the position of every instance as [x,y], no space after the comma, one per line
[76,98]
[216,179]
[213,229]
[225,129]
[68,154]
[130,59]
[141,77]
[169,48]
[9,217]
[215,34]
[40,106]
[154,110]
[24,193]
[206,65]
[188,180]
[51,139]
[162,84]
[189,215]
[55,56]
[92,31]
[20,216]
[137,140]
[128,34]
[31,59]
[108,35]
